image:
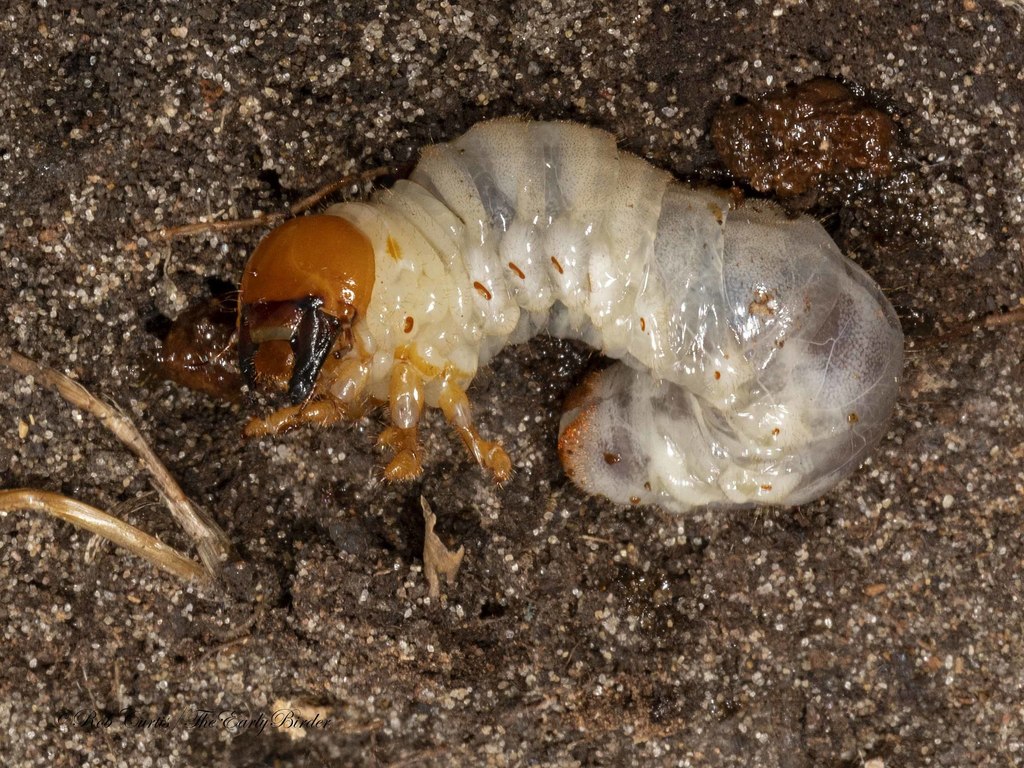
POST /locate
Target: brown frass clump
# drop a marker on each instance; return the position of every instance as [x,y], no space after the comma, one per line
[785,141]
[198,350]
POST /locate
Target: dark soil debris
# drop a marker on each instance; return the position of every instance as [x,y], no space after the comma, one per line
[784,141]
[199,350]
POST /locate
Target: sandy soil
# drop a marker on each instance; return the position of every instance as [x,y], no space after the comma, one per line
[879,626]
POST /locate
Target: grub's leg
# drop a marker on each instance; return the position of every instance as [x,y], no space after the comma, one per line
[406,401]
[343,399]
[455,406]
[347,381]
[319,413]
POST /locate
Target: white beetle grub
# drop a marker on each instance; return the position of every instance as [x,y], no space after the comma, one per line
[757,365]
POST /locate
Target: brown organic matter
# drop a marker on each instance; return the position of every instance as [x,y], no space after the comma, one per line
[199,350]
[785,141]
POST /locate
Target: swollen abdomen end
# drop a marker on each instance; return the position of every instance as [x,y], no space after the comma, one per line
[598,445]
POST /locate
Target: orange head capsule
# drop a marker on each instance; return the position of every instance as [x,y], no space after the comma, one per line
[303,287]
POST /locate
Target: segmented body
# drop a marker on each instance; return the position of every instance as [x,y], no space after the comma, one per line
[758,364]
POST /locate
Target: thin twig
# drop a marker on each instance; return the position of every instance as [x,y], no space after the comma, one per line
[309,201]
[999,319]
[211,541]
[199,227]
[990,322]
[270,219]
[109,527]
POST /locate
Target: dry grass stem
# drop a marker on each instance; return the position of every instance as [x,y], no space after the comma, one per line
[212,543]
[109,527]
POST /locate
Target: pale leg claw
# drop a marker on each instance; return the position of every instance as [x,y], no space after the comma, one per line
[407,463]
[320,413]
[406,403]
[489,454]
